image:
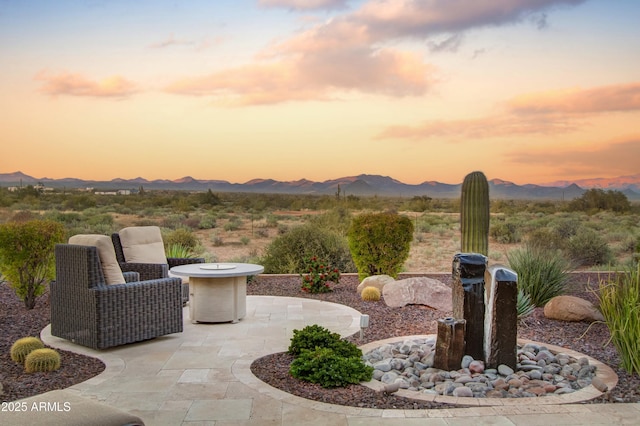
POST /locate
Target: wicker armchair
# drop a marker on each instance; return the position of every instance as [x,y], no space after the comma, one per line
[152,271]
[87,311]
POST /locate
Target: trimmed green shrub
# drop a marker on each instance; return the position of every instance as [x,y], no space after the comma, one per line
[27,256]
[23,347]
[542,274]
[620,305]
[380,243]
[42,360]
[286,254]
[327,368]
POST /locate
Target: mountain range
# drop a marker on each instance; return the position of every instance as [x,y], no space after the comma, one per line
[360,185]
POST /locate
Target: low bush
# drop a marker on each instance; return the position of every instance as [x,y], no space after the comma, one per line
[588,248]
[619,300]
[542,274]
[183,237]
[322,357]
[328,369]
[317,276]
[286,254]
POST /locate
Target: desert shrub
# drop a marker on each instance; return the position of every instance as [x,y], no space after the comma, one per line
[329,369]
[244,240]
[181,236]
[286,253]
[27,256]
[619,300]
[545,239]
[217,240]
[588,248]
[596,199]
[173,221]
[317,276]
[542,274]
[505,233]
[207,222]
[262,233]
[566,228]
[335,220]
[380,243]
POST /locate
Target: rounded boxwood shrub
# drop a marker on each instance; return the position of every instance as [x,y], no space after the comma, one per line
[329,369]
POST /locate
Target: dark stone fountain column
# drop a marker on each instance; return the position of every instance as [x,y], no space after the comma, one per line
[501,317]
[468,299]
[449,344]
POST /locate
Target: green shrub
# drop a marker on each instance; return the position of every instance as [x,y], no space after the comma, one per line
[181,236]
[315,336]
[27,256]
[620,305]
[588,248]
[545,239]
[505,233]
[380,243]
[328,369]
[23,347]
[542,274]
[317,276]
[286,253]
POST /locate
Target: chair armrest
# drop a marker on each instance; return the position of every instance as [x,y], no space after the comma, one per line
[177,261]
[131,276]
[147,271]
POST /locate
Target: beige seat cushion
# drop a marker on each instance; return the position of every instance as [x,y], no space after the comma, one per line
[142,244]
[106,252]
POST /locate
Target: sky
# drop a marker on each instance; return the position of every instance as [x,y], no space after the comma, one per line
[529,91]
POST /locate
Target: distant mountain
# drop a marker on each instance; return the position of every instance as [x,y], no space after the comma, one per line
[362,185]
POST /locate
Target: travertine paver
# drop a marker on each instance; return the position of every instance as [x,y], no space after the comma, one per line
[202,377]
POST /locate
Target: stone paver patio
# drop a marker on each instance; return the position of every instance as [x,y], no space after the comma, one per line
[202,377]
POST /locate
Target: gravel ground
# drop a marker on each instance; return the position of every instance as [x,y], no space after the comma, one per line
[385,322]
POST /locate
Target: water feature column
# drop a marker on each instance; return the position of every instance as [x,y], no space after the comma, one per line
[501,317]
[468,299]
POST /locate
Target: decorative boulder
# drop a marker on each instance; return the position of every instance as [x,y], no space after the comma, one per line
[418,291]
[377,281]
[571,308]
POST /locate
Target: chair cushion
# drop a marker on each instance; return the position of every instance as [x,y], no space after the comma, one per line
[106,252]
[142,244]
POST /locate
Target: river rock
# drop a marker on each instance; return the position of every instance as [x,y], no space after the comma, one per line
[571,308]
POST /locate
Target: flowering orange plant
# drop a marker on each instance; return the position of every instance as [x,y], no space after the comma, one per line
[318,275]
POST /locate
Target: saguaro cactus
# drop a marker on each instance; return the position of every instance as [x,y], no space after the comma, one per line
[474,214]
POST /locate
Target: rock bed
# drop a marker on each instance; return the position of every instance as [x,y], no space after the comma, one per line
[409,365]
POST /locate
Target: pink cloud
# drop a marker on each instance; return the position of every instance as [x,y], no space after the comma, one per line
[496,126]
[351,52]
[618,157]
[620,97]
[304,4]
[78,85]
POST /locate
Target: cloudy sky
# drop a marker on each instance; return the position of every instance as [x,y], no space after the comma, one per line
[530,91]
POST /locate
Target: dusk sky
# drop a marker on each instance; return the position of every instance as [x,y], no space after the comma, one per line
[530,91]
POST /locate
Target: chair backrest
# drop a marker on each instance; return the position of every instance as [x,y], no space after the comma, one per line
[78,269]
[142,244]
[106,253]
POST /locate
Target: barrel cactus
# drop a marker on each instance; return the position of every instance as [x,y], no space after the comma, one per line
[474,214]
[42,360]
[370,294]
[22,347]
